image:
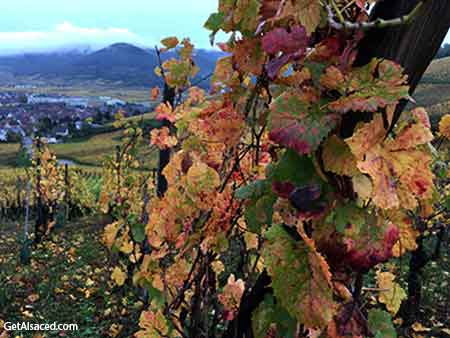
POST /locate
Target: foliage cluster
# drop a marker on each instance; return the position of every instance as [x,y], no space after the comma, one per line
[276,209]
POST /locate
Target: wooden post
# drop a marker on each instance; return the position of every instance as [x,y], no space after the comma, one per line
[25,252]
[66,193]
[40,222]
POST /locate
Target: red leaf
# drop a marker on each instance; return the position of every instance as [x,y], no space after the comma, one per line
[280,40]
[363,260]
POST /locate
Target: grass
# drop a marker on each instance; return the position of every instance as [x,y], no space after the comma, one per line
[89,89]
[87,151]
[67,281]
[92,151]
[8,154]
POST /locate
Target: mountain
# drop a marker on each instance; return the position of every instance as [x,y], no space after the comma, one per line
[443,52]
[121,64]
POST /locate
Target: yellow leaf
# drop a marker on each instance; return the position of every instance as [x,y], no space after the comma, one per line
[338,158]
[170,42]
[118,276]
[362,185]
[310,12]
[109,236]
[218,267]
[418,327]
[444,126]
[114,330]
[127,247]
[408,235]
[398,167]
[392,293]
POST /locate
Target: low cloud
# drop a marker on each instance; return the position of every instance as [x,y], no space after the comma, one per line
[66,36]
[447,38]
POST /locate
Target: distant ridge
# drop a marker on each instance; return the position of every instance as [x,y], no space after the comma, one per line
[121,63]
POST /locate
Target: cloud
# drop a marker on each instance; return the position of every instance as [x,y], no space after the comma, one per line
[447,38]
[66,35]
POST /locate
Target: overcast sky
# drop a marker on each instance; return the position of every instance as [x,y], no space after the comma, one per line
[41,24]
[36,25]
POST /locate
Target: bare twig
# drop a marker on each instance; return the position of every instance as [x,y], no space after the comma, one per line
[378,23]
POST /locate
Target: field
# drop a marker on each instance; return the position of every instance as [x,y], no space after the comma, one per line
[89,89]
[92,151]
[87,151]
[8,154]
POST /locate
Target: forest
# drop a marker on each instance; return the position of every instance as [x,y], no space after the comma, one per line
[303,194]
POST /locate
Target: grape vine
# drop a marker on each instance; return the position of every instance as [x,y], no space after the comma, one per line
[275,208]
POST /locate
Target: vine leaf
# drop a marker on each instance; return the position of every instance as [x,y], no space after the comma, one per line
[231,296]
[170,42]
[399,167]
[152,324]
[300,278]
[377,85]
[270,316]
[444,126]
[392,293]
[352,237]
[162,138]
[292,45]
[298,123]
[118,276]
[380,323]
[259,210]
[408,234]
[308,13]
[337,157]
[280,40]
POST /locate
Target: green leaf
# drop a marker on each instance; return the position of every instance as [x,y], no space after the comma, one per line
[154,294]
[253,190]
[316,69]
[268,313]
[138,232]
[260,212]
[300,278]
[294,168]
[214,22]
[348,214]
[380,323]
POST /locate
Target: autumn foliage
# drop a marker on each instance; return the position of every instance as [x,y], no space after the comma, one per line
[264,189]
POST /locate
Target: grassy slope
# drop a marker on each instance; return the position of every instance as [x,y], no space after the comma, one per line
[434,91]
[8,154]
[88,151]
[438,71]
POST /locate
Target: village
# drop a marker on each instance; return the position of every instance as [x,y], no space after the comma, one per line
[57,117]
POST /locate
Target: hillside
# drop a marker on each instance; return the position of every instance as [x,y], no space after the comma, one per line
[120,64]
[438,72]
[434,90]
